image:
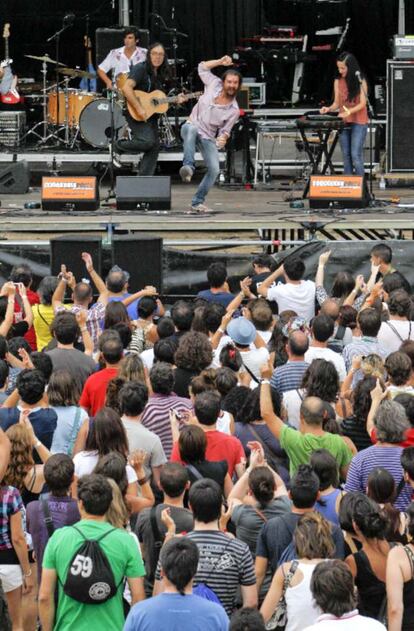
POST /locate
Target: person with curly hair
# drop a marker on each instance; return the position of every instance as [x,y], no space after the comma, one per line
[194,354]
[320,380]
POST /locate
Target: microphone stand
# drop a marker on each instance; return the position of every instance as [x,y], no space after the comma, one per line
[56,37]
[111,191]
[370,119]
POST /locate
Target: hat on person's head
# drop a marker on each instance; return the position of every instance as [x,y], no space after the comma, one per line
[241,331]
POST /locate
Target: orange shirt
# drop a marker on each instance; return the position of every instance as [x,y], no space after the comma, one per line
[361,117]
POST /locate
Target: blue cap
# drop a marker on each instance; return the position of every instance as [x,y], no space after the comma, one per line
[241,331]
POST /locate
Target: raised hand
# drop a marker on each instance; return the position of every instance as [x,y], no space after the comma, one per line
[226,60]
[81,318]
[324,257]
[266,370]
[87,259]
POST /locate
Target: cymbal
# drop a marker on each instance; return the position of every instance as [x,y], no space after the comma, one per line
[45,58]
[75,72]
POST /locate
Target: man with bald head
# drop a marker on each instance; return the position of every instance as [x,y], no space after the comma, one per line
[289,376]
[300,445]
[342,335]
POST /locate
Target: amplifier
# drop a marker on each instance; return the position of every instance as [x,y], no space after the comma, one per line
[12,128]
[403,47]
[70,193]
[340,191]
[257,92]
[145,192]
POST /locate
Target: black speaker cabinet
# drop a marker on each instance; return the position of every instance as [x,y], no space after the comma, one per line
[15,178]
[141,256]
[400,116]
[146,192]
[108,38]
[67,250]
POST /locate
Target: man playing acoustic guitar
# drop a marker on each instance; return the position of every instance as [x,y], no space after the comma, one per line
[146,77]
[209,125]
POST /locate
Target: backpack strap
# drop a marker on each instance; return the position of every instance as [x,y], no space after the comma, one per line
[340,332]
[75,430]
[154,527]
[47,517]
[410,555]
[401,485]
[98,539]
[260,513]
[394,330]
[252,375]
[194,471]
[289,576]
[268,455]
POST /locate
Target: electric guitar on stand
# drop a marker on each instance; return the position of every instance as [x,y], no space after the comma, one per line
[89,85]
[8,82]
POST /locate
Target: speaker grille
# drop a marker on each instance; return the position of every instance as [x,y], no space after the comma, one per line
[400,116]
[141,256]
[67,250]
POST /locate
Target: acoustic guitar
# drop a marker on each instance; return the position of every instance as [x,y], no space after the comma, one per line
[156,102]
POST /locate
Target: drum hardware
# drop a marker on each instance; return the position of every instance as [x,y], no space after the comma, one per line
[45,59]
[75,73]
[167,135]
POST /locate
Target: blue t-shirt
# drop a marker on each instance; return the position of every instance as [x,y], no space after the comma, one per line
[44,422]
[222,297]
[176,613]
[132,308]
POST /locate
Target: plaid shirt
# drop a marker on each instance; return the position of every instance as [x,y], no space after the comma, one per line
[10,504]
[94,320]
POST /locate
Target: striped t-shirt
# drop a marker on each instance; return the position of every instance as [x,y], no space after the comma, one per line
[224,564]
[156,417]
[366,460]
[289,376]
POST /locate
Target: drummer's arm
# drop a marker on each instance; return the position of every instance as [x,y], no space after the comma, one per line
[104,77]
[128,90]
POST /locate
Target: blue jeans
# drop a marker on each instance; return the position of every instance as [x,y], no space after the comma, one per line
[192,141]
[352,144]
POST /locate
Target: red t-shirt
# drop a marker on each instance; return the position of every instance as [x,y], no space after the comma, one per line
[94,391]
[34,299]
[219,447]
[408,442]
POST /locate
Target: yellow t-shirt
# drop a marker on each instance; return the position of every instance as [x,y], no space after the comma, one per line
[43,316]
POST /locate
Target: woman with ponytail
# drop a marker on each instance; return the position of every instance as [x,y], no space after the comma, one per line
[350,101]
[313,543]
[368,565]
[382,489]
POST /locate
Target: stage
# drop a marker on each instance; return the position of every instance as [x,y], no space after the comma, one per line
[238,213]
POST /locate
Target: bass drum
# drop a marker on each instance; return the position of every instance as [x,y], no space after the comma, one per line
[95,123]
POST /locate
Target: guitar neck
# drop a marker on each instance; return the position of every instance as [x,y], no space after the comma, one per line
[6,47]
[171,99]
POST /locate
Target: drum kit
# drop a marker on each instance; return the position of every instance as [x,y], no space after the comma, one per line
[70,115]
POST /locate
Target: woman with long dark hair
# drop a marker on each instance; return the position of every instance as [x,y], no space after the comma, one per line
[350,90]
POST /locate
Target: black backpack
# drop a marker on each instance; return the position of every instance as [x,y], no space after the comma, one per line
[336,343]
[90,579]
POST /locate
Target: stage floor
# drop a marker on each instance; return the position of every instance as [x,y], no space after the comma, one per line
[237,212]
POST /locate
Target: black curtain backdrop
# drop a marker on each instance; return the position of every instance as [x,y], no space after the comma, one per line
[214,27]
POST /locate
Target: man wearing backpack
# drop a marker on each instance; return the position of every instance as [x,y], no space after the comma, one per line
[225,563]
[89,561]
[177,607]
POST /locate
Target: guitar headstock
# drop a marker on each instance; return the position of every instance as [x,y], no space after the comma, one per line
[6,30]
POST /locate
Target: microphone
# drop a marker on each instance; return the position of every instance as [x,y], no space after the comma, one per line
[69,19]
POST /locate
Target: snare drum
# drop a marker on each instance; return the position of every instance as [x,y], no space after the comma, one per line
[95,122]
[77,101]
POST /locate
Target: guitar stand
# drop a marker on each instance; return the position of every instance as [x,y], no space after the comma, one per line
[324,151]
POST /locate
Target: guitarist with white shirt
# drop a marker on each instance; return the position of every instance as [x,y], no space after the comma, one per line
[147,76]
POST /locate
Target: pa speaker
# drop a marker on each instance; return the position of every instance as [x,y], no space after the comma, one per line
[15,178]
[70,193]
[141,256]
[400,116]
[337,191]
[108,38]
[67,250]
[146,192]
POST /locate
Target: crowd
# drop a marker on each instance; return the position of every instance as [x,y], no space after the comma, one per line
[241,461]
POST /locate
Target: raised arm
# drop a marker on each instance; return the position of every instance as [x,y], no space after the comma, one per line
[59,293]
[96,279]
[243,293]
[28,313]
[215,339]
[226,60]
[274,423]
[264,286]
[148,290]
[377,395]
[320,273]
[8,290]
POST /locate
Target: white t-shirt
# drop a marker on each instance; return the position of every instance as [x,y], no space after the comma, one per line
[86,461]
[316,352]
[148,358]
[292,401]
[391,340]
[223,422]
[296,297]
[254,359]
[351,621]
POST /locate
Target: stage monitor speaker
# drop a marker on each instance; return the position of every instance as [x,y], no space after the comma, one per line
[108,38]
[141,256]
[70,193]
[67,250]
[15,178]
[146,192]
[337,191]
[400,116]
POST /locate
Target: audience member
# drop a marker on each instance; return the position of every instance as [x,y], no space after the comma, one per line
[322,330]
[194,354]
[219,289]
[400,582]
[398,328]
[289,376]
[94,391]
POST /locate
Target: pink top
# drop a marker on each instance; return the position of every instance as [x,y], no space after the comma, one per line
[360,117]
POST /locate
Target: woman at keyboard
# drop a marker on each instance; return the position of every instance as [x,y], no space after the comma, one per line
[350,89]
